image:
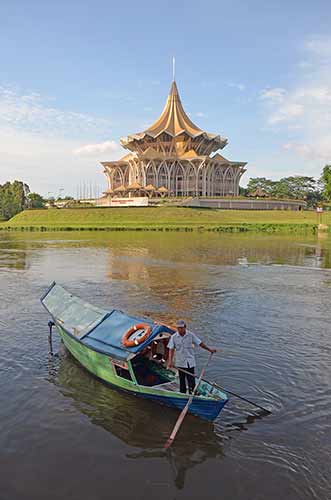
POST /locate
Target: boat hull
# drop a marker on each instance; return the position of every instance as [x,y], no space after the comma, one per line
[207,409]
[101,366]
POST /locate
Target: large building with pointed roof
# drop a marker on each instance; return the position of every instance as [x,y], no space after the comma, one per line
[174,157]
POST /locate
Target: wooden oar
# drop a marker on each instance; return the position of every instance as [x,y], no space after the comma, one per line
[186,407]
[229,392]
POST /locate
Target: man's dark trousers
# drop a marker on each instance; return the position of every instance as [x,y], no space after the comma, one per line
[183,377]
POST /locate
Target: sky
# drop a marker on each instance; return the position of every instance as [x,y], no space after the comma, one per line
[76,76]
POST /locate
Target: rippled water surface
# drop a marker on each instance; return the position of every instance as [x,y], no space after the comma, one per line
[264,300]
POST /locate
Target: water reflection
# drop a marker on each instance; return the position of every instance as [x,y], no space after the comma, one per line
[13,255]
[129,251]
[137,423]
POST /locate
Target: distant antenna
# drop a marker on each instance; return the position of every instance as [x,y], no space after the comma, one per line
[173,68]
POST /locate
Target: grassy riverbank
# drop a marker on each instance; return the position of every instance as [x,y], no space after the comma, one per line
[163,219]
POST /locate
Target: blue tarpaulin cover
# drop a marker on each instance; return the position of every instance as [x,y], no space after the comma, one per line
[97,328]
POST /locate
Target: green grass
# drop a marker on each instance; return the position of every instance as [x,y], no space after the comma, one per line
[164,218]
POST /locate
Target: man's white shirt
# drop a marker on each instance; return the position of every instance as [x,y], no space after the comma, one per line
[184,346]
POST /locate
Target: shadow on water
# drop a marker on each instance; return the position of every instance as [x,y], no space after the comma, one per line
[138,423]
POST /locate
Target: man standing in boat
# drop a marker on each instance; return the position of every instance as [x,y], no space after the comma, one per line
[183,343]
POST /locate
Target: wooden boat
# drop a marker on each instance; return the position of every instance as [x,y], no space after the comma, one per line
[126,352]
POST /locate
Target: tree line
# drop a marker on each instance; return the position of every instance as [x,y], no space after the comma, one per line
[16,196]
[298,187]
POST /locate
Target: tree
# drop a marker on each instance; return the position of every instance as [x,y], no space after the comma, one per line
[13,198]
[254,183]
[65,198]
[35,200]
[298,186]
[243,191]
[314,198]
[325,182]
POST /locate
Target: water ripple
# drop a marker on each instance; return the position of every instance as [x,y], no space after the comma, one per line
[60,426]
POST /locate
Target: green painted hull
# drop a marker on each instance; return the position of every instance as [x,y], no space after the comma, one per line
[101,366]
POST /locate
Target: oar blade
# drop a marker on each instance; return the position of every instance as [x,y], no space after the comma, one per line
[178,424]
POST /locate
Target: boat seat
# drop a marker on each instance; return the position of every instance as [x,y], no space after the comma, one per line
[170,386]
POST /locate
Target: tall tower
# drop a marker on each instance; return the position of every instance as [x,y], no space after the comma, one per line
[176,155]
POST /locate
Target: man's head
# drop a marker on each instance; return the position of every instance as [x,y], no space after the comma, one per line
[181,327]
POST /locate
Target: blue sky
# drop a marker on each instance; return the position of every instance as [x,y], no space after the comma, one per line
[77,76]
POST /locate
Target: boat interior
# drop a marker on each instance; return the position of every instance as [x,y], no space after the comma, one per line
[150,365]
[150,369]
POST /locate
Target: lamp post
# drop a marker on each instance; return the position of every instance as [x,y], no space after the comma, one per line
[319,212]
[50,202]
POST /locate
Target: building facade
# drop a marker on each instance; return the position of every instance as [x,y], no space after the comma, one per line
[173,157]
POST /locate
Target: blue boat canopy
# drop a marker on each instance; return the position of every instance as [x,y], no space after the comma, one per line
[97,328]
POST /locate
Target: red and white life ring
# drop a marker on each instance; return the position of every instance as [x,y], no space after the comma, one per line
[127,342]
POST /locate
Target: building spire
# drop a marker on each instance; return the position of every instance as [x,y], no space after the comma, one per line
[173,68]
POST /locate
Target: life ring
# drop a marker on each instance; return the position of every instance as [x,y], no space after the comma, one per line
[132,343]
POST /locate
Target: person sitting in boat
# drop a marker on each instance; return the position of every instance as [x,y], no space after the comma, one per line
[183,343]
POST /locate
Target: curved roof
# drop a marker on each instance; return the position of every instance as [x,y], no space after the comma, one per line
[174,121]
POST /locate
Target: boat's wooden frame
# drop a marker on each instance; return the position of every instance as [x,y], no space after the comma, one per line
[207,404]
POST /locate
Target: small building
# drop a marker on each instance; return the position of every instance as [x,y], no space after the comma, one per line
[258,193]
[175,157]
[246,204]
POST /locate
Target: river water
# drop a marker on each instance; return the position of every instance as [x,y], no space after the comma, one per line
[265,301]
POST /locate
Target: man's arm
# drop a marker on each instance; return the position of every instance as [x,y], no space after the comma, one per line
[170,358]
[209,349]
[198,342]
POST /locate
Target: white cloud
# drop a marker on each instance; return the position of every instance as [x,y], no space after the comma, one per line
[288,111]
[306,107]
[304,64]
[320,46]
[30,112]
[302,149]
[200,114]
[238,86]
[37,141]
[46,163]
[274,94]
[97,149]
[320,149]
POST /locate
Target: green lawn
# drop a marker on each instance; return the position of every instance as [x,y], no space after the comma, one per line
[160,218]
